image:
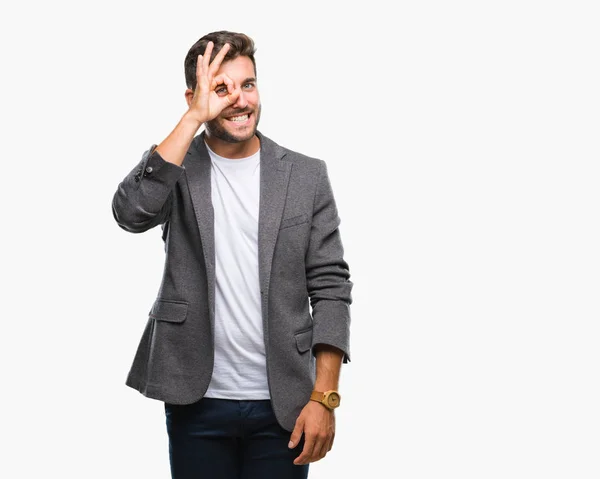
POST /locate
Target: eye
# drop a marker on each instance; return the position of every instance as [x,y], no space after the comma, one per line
[221,90]
[248,85]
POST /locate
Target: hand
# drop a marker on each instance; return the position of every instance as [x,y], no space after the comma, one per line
[206,103]
[318,424]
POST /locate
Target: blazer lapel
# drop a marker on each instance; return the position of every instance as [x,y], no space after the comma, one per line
[197,172]
[274,177]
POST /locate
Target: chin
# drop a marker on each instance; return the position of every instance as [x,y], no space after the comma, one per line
[230,135]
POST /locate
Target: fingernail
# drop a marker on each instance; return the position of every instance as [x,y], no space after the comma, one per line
[291,444]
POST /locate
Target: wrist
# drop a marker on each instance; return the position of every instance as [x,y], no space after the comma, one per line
[328,398]
[192,119]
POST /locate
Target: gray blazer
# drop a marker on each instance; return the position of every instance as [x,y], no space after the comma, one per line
[301,263]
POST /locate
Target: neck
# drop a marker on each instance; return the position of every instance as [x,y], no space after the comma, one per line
[237,150]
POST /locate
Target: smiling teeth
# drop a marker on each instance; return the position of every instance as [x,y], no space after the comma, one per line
[239,118]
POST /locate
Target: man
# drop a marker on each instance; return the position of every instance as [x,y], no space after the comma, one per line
[251,241]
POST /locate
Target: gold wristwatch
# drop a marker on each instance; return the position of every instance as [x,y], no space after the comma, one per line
[329,399]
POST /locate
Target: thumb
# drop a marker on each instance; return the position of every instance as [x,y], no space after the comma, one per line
[232,97]
[296,434]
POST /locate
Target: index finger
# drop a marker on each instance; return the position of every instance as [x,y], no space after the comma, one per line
[307,451]
[216,63]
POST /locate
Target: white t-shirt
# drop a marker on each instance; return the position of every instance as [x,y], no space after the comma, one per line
[240,360]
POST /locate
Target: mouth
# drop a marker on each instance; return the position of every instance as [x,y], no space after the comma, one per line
[240,120]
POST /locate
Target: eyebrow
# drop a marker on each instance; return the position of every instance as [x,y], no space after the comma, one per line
[247,80]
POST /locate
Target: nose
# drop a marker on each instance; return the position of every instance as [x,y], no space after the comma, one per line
[241,101]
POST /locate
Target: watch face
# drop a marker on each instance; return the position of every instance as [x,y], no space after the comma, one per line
[333,400]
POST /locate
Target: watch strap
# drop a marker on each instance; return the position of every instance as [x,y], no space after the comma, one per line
[317,396]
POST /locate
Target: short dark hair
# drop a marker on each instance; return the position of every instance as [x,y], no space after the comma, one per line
[240,45]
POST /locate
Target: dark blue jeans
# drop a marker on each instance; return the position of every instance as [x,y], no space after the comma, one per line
[230,439]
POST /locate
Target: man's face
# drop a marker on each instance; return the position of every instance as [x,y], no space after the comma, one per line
[239,121]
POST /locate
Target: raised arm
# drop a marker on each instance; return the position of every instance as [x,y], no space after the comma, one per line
[144,198]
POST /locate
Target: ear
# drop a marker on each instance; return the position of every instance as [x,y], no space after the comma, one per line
[189,94]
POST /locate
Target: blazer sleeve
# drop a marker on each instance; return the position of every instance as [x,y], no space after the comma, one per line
[327,273]
[143,199]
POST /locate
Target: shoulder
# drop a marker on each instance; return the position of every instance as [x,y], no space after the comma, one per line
[304,163]
[299,160]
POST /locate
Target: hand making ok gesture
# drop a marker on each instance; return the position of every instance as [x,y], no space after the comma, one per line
[206,104]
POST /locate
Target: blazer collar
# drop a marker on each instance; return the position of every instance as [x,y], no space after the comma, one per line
[270,152]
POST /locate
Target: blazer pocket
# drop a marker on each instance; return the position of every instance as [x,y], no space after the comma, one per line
[169,310]
[304,339]
[293,221]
